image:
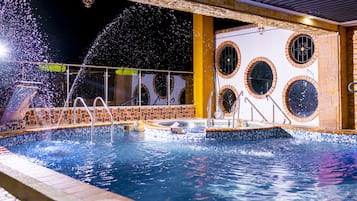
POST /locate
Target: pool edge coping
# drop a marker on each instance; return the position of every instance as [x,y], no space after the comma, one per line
[4,151]
[16,179]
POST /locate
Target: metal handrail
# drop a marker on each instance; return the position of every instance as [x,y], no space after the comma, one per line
[256,109]
[275,104]
[235,107]
[85,106]
[94,66]
[105,107]
[349,87]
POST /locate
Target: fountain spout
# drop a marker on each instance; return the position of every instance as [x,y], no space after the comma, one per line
[20,101]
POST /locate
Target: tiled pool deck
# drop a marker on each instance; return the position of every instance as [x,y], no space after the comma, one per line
[28,181]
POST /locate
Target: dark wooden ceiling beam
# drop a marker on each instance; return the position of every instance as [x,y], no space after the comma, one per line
[244,12]
[269,13]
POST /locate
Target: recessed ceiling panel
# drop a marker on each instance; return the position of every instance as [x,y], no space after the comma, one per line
[335,10]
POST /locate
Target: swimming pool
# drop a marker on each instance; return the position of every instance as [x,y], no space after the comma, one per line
[145,168]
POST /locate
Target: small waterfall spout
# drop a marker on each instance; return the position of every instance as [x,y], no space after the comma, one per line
[20,101]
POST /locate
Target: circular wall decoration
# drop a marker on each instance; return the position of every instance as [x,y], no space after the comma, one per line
[227,97]
[260,77]
[301,50]
[301,98]
[145,95]
[227,59]
[160,84]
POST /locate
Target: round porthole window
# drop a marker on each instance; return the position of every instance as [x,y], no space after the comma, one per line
[301,99]
[227,59]
[301,50]
[145,95]
[227,98]
[160,84]
[260,77]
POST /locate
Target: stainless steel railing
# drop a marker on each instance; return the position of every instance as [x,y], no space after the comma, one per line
[105,107]
[276,105]
[252,106]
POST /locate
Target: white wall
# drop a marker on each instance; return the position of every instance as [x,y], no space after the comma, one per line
[270,44]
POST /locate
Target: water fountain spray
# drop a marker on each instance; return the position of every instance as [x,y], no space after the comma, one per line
[22,45]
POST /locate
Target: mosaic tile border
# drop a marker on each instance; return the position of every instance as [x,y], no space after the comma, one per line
[210,134]
[247,134]
[12,126]
[323,137]
[54,134]
[319,135]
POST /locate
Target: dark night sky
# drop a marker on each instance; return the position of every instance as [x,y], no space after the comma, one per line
[71,28]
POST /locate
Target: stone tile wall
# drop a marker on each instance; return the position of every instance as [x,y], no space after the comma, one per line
[12,126]
[47,117]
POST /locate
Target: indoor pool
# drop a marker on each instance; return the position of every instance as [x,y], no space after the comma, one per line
[141,168]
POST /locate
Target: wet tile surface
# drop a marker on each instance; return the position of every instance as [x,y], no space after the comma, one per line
[37,181]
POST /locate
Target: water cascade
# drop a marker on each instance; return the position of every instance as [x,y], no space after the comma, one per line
[141,36]
[19,33]
[20,101]
[144,36]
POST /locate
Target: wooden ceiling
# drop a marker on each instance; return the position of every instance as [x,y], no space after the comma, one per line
[318,16]
[341,11]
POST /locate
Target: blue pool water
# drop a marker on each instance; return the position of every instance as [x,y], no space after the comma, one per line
[146,168]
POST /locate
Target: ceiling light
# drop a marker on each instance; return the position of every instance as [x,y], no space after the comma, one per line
[88,3]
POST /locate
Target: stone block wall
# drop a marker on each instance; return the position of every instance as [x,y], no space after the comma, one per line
[12,126]
[40,117]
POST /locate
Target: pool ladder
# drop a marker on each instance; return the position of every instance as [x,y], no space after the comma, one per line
[88,111]
[92,115]
[105,107]
[85,106]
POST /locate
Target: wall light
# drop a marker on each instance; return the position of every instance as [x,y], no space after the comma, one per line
[308,20]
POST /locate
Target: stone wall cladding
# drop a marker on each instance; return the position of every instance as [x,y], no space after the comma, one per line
[12,126]
[40,117]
